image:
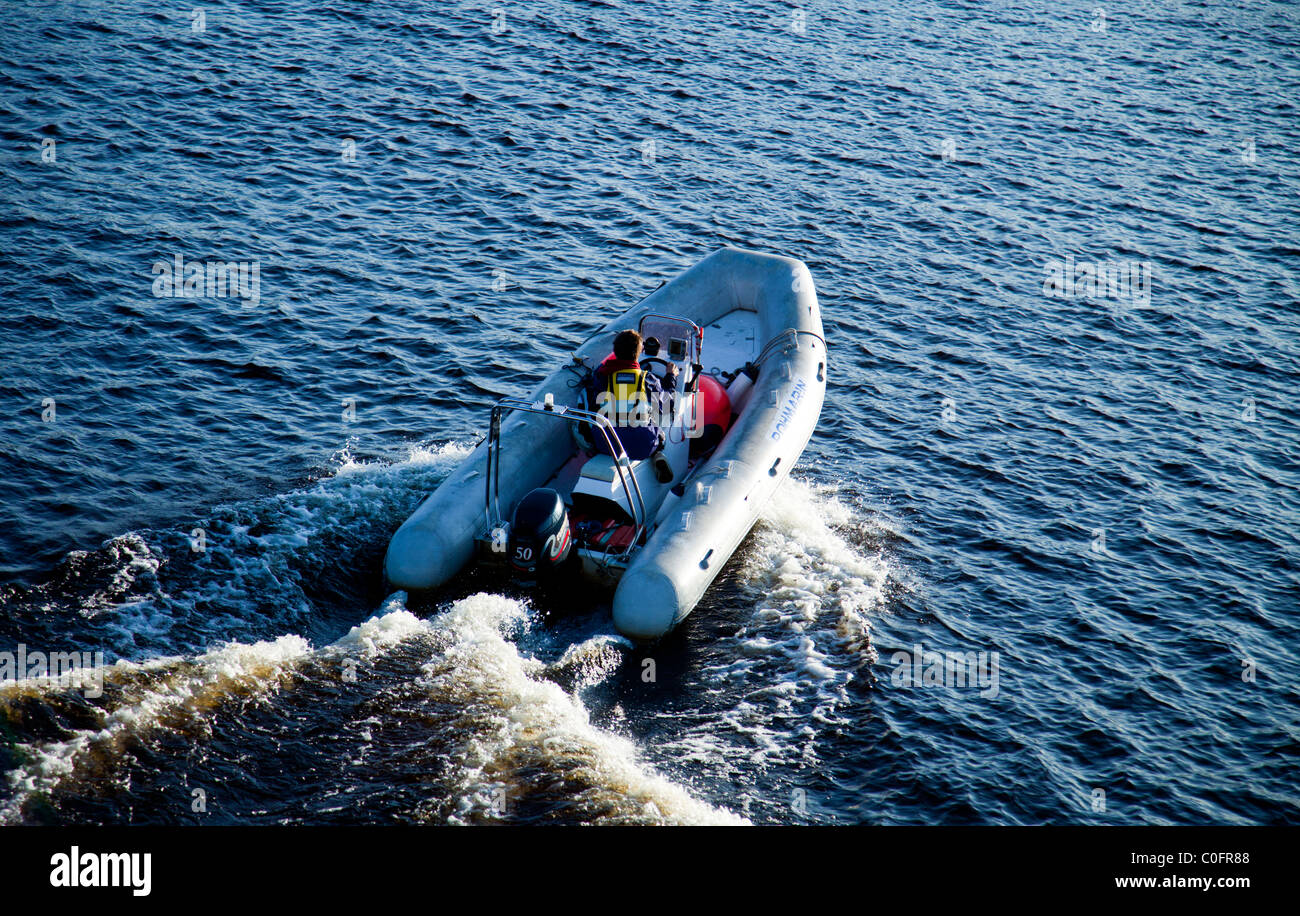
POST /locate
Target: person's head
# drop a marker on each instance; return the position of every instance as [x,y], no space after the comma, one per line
[627,345]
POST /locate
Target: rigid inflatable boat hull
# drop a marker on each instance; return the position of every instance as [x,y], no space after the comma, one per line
[724,494]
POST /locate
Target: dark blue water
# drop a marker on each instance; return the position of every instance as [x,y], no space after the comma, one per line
[1099,493]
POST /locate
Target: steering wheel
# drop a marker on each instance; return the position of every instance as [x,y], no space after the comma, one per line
[668,367]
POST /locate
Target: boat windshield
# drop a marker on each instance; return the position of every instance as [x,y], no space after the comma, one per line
[679,338]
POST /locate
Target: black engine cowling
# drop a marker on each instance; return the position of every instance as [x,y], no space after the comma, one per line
[540,541]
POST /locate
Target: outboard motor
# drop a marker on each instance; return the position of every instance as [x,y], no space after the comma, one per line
[539,535]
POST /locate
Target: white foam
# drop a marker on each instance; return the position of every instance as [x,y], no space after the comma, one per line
[447,454]
[806,635]
[392,624]
[247,580]
[514,721]
[592,660]
[806,568]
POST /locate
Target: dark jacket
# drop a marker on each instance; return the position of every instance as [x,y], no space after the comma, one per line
[638,441]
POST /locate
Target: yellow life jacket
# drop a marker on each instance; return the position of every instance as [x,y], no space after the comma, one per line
[628,402]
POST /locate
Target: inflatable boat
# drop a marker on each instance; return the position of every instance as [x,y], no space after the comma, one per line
[551,491]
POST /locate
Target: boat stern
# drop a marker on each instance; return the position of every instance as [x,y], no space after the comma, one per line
[646,604]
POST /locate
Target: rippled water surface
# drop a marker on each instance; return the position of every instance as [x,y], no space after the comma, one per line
[1100,494]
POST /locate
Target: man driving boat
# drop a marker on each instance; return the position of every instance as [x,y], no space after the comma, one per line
[632,398]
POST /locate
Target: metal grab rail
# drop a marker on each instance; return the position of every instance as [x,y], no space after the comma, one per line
[574,415]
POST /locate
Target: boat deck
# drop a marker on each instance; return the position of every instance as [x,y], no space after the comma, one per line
[730,342]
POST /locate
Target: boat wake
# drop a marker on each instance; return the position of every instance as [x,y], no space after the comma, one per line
[177,694]
[493,708]
[526,744]
[813,575]
[803,594]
